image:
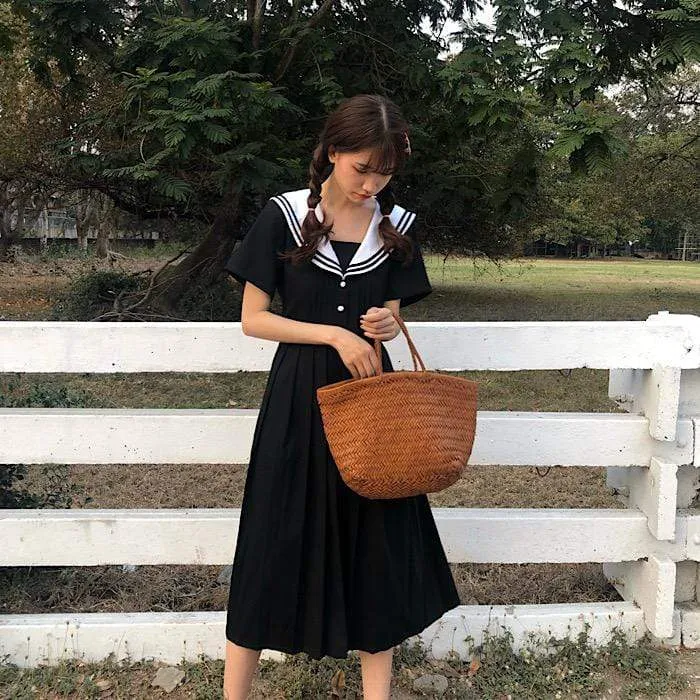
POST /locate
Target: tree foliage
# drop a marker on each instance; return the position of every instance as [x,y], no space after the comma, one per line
[205,108]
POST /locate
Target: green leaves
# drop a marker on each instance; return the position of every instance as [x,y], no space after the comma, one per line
[587,139]
[173,188]
[185,103]
[192,119]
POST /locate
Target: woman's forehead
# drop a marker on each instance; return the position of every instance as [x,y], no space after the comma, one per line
[376,158]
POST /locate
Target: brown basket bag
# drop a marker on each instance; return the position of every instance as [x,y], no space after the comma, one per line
[400,433]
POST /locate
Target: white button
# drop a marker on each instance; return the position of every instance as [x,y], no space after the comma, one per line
[342,284]
[341,308]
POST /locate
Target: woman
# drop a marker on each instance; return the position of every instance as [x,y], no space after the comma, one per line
[318,568]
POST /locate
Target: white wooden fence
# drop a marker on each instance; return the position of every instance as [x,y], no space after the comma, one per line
[649,549]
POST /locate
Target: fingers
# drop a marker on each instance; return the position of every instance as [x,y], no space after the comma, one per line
[370,366]
[378,322]
[362,369]
[383,325]
[376,362]
[384,329]
[367,365]
[377,312]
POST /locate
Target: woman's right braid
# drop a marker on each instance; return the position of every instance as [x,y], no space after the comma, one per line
[312,229]
[319,163]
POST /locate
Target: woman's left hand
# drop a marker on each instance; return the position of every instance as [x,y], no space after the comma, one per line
[379,322]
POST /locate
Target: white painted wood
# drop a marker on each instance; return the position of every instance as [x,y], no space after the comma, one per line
[654,492]
[657,586]
[688,484]
[621,385]
[662,392]
[692,535]
[215,346]
[654,392]
[689,400]
[91,537]
[520,535]
[686,581]
[617,478]
[689,324]
[658,391]
[651,453]
[531,625]
[690,624]
[126,435]
[674,641]
[30,640]
[651,584]
[224,436]
[114,346]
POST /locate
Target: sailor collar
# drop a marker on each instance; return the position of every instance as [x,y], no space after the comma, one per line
[369,254]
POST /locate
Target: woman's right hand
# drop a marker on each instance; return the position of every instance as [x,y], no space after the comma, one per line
[357,354]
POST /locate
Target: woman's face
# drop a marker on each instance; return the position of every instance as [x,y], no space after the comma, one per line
[353,176]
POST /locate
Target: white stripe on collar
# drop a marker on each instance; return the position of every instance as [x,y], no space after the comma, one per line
[369,253]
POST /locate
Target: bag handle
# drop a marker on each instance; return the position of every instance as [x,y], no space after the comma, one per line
[411,347]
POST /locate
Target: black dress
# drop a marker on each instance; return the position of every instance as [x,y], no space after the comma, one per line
[318,568]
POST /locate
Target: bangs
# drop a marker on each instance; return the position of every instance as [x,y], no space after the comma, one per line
[384,160]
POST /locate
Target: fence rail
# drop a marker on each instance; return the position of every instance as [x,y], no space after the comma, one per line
[649,549]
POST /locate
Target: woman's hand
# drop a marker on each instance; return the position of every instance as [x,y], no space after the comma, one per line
[357,354]
[379,322]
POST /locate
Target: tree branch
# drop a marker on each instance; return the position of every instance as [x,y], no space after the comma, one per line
[288,56]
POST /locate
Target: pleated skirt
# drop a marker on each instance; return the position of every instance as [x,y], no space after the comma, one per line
[318,568]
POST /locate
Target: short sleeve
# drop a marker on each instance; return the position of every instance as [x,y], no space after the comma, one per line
[410,282]
[254,259]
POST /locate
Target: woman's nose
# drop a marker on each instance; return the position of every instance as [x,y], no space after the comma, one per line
[371,186]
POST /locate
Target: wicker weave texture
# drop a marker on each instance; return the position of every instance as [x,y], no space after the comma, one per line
[400,433]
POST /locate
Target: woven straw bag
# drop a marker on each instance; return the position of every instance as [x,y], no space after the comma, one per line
[399,433]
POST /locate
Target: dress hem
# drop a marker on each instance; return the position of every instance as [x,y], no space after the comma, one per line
[317,655]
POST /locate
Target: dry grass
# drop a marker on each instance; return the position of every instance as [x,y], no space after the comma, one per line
[527,289]
[521,290]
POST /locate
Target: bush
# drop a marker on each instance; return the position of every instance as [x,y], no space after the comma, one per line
[93,294]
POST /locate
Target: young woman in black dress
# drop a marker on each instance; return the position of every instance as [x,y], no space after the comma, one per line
[318,568]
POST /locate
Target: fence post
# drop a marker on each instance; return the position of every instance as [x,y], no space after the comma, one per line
[663,393]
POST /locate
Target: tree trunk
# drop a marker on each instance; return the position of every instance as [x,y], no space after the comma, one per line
[102,239]
[82,220]
[106,226]
[204,263]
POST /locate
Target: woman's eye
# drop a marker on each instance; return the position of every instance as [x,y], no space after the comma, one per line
[362,172]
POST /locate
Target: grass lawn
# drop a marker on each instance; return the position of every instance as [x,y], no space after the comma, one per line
[464,290]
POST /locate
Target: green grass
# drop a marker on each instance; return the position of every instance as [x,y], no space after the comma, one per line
[542,289]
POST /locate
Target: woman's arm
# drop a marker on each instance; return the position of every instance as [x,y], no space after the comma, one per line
[258,321]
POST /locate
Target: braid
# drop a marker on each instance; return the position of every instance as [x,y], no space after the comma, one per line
[319,164]
[312,230]
[391,237]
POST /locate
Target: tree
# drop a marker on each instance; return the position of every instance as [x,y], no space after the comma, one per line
[652,193]
[219,102]
[31,116]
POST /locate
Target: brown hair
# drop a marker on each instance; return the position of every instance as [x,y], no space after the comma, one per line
[360,122]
